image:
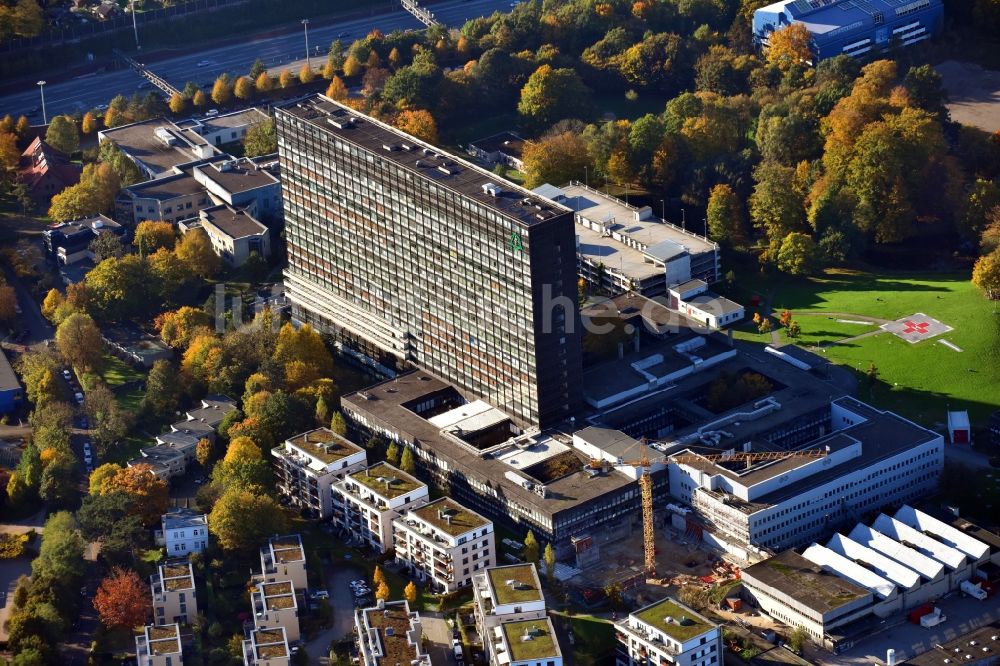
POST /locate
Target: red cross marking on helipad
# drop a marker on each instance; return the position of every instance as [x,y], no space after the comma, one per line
[921,327]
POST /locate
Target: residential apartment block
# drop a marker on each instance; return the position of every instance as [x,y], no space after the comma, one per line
[284,558]
[276,605]
[525,643]
[390,634]
[174,596]
[668,633]
[266,647]
[509,593]
[159,645]
[370,499]
[183,531]
[69,242]
[444,543]
[411,256]
[176,448]
[307,465]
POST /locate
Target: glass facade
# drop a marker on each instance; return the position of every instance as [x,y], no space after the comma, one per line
[387,258]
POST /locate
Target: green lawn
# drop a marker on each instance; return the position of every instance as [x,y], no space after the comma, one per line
[123,380]
[821,330]
[919,380]
[593,639]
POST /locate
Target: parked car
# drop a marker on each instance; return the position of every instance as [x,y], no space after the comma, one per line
[204,63]
[320,594]
[67,374]
[78,397]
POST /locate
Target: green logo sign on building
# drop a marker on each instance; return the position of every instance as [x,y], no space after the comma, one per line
[516,245]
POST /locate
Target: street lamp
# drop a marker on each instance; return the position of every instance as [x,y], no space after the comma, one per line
[663,211]
[586,177]
[135,27]
[305,27]
[684,219]
[41,88]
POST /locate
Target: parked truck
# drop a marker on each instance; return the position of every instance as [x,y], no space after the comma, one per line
[932,619]
[973,589]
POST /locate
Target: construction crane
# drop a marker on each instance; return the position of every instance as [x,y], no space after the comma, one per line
[646,482]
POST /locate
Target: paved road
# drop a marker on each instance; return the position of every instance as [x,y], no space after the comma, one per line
[277,53]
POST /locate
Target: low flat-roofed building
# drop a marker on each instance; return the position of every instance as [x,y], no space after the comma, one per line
[212,411]
[165,462]
[524,480]
[444,543]
[69,242]
[157,146]
[867,459]
[668,632]
[623,248]
[390,634]
[510,593]
[183,531]
[234,234]
[371,498]
[243,183]
[308,464]
[693,299]
[266,647]
[276,605]
[11,392]
[223,128]
[159,645]
[846,27]
[174,596]
[799,592]
[524,643]
[505,148]
[284,558]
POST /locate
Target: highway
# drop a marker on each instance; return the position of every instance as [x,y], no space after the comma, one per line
[277,53]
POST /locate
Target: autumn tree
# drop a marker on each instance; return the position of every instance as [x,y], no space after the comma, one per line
[551,94]
[242,518]
[177,104]
[406,462]
[204,452]
[104,246]
[195,250]
[8,303]
[243,89]
[199,100]
[410,592]
[392,454]
[352,67]
[382,592]
[555,159]
[725,217]
[530,547]
[338,424]
[63,135]
[264,83]
[152,235]
[177,328]
[775,208]
[419,123]
[261,139]
[286,79]
[378,577]
[79,342]
[789,46]
[986,274]
[550,564]
[162,389]
[149,495]
[337,90]
[307,74]
[222,90]
[122,600]
[95,193]
[88,125]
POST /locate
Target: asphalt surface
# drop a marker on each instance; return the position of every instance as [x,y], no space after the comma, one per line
[203,66]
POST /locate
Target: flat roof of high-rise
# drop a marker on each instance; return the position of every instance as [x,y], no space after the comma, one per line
[425,160]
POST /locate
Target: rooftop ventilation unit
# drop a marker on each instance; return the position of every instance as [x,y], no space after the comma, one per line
[390,147]
[450,171]
[491,189]
[340,122]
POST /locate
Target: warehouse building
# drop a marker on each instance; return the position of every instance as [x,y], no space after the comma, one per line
[853,27]
[840,591]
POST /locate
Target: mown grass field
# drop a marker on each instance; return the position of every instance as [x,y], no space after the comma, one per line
[922,380]
[124,380]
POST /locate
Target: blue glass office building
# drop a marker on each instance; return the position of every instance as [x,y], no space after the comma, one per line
[854,27]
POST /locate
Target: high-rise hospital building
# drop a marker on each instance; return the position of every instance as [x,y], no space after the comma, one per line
[411,256]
